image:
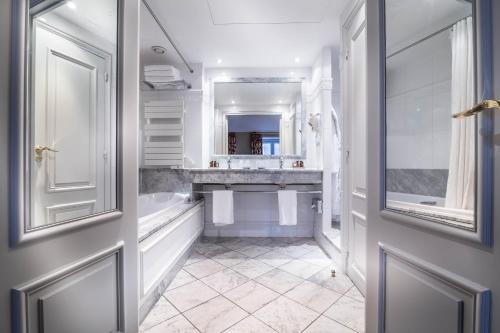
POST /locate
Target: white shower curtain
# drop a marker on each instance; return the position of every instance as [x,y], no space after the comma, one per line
[461,180]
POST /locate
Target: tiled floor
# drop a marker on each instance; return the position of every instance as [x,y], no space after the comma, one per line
[258,285]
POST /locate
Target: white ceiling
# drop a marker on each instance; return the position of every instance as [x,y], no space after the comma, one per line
[410,20]
[99,17]
[243,33]
[251,94]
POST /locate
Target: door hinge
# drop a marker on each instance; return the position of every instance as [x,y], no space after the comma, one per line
[105,155]
[347,56]
[106,77]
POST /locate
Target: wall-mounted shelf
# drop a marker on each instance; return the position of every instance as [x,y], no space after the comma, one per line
[172,85]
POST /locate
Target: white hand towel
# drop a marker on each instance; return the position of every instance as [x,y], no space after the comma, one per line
[287,202]
[222,208]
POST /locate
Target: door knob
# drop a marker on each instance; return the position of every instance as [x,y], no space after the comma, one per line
[39,150]
[484,105]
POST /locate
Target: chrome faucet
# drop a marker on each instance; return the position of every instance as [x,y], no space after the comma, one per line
[282,160]
[229,162]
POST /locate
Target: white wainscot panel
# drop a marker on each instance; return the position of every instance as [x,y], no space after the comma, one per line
[160,252]
[420,297]
[359,248]
[85,296]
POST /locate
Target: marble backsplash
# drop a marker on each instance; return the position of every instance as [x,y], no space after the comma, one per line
[430,182]
[164,180]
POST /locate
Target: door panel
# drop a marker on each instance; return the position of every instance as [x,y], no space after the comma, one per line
[421,279]
[71,112]
[355,125]
[71,121]
[85,296]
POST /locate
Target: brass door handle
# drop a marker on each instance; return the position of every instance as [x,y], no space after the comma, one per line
[484,105]
[39,150]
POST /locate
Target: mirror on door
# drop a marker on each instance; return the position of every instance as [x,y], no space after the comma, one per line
[70,141]
[430,75]
[261,118]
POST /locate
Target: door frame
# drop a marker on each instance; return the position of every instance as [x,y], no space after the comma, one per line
[19,128]
[348,18]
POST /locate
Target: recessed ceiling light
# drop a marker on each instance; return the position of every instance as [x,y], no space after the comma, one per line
[292,73]
[280,101]
[71,4]
[42,19]
[219,61]
[297,60]
[159,49]
[232,102]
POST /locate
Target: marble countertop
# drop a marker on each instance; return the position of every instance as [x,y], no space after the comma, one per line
[236,170]
[256,176]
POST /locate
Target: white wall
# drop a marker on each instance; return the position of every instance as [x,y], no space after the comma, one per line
[418,106]
[27,262]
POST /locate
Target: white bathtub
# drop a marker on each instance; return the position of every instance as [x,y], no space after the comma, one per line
[158,209]
[430,206]
[169,224]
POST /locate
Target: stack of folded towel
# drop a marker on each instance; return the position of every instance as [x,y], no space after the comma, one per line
[161,74]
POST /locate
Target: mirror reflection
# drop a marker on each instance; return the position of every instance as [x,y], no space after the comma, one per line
[72,111]
[258,118]
[430,75]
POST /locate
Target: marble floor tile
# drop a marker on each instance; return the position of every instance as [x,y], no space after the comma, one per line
[313,296]
[340,283]
[160,312]
[276,244]
[348,312]
[318,258]
[279,281]
[204,268]
[230,258]
[190,295]
[215,315]
[274,258]
[294,251]
[326,325]
[194,257]
[181,279]
[300,268]
[210,249]
[235,243]
[263,241]
[224,280]
[203,248]
[250,325]
[252,268]
[286,316]
[251,296]
[253,251]
[177,324]
[356,294]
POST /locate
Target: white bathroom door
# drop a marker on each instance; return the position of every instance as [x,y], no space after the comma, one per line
[355,145]
[423,279]
[70,168]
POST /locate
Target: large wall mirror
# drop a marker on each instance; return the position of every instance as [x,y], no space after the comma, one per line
[64,114]
[258,118]
[432,72]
